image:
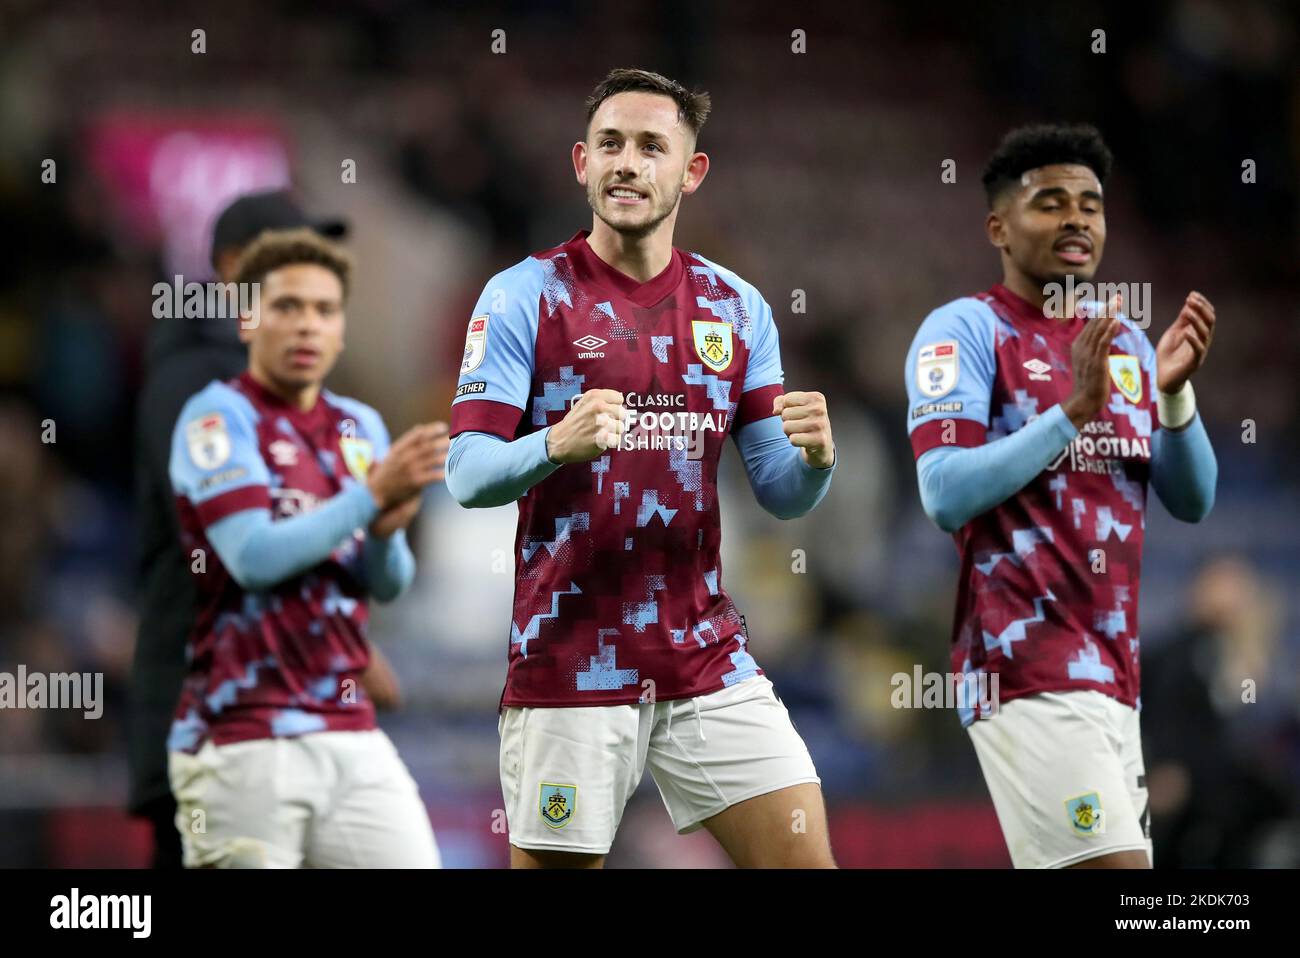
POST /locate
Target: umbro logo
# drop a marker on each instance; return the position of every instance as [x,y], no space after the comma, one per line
[1039,370]
[283,452]
[591,347]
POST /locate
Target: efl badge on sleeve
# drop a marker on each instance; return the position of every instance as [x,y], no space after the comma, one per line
[713,343]
[1126,374]
[475,344]
[557,803]
[358,454]
[208,440]
[936,369]
[1085,814]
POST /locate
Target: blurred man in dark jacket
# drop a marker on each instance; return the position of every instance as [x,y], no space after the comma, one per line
[184,355]
[1221,781]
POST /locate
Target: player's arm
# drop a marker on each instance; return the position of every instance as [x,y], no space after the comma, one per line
[230,492]
[1184,470]
[387,562]
[784,438]
[260,552]
[380,681]
[485,470]
[959,475]
[487,466]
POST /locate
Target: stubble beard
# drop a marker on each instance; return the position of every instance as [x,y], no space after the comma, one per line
[640,230]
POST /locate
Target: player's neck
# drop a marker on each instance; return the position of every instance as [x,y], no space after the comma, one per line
[1034,293]
[302,398]
[640,257]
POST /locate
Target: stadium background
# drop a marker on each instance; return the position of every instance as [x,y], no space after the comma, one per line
[826,179]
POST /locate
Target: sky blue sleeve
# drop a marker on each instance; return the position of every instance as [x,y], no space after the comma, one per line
[1184,470]
[388,563]
[783,483]
[215,461]
[217,465]
[959,484]
[484,470]
[496,370]
[764,367]
[949,372]
[389,566]
[949,375]
[260,553]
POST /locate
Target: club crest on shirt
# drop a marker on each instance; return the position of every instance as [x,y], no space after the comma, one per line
[557,803]
[1085,814]
[475,344]
[937,368]
[358,454]
[713,343]
[208,440]
[1126,374]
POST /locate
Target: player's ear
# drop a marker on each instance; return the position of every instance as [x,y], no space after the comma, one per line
[995,227]
[697,167]
[580,162]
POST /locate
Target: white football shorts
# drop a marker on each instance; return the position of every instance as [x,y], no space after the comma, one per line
[1066,775]
[567,773]
[320,800]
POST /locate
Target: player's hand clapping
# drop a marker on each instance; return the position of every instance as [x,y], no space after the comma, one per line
[806,421]
[594,424]
[415,460]
[1183,346]
[1088,355]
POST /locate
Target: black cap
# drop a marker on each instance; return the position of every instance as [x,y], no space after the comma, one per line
[245,218]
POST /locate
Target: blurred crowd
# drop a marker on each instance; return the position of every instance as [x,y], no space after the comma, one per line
[826,192]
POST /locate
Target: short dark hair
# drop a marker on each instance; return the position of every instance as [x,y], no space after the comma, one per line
[274,249]
[1042,144]
[692,107]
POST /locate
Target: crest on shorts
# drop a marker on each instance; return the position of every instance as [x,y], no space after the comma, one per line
[1126,374]
[713,343]
[1085,814]
[358,454]
[208,440]
[556,803]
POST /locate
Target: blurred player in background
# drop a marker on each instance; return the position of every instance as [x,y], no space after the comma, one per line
[184,355]
[600,381]
[1038,423]
[297,505]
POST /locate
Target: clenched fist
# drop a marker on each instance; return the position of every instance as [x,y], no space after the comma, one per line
[806,422]
[594,424]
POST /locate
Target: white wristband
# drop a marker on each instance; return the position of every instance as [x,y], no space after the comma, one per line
[1176,409]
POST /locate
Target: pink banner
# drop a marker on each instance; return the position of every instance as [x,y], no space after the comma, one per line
[168,177]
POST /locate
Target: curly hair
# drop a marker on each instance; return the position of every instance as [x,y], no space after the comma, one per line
[1041,144]
[276,248]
